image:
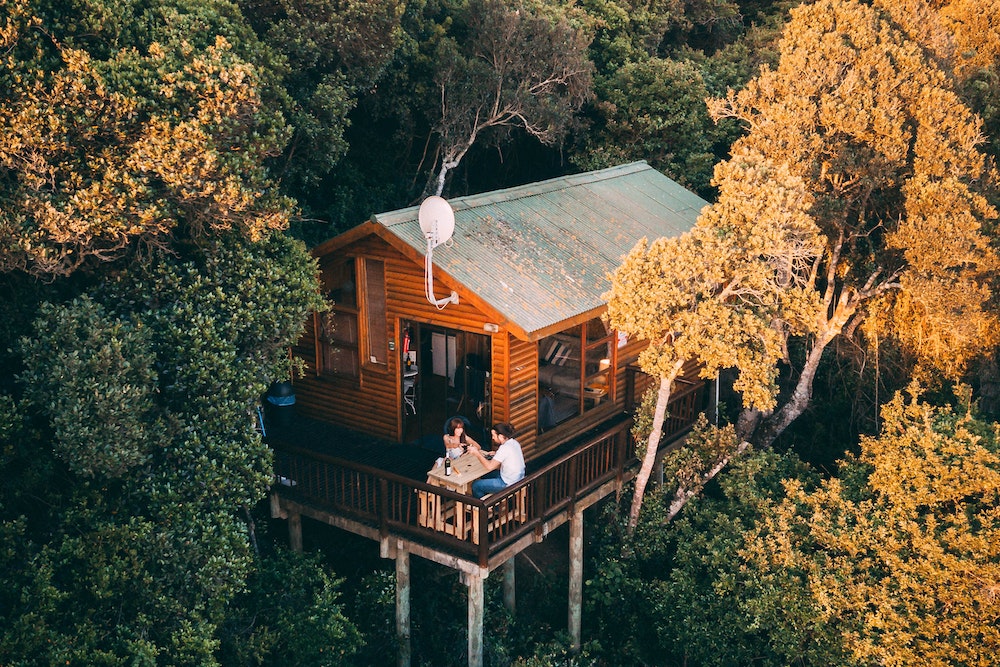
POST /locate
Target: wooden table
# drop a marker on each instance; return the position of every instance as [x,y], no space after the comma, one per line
[444,514]
[466,469]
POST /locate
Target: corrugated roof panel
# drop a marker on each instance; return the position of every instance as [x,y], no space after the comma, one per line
[541,253]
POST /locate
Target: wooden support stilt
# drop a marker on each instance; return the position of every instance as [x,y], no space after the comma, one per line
[403,607]
[475,583]
[295,531]
[575,578]
[509,599]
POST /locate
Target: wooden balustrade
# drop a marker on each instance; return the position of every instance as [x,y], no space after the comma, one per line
[454,522]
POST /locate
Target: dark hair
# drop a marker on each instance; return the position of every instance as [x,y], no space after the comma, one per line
[454,423]
[505,429]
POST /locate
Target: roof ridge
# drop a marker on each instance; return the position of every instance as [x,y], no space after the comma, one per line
[466,202]
[546,186]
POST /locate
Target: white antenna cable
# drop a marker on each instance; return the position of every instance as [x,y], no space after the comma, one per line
[437,221]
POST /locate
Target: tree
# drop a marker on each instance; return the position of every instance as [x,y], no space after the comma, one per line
[901,551]
[136,455]
[289,614]
[654,110]
[889,162]
[133,180]
[332,53]
[520,67]
[178,148]
[685,593]
[714,294]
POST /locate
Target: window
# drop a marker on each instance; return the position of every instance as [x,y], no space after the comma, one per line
[338,327]
[574,372]
[353,332]
[377,335]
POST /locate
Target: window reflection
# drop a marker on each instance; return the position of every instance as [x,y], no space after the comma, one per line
[574,372]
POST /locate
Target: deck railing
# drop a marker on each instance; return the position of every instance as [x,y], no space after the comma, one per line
[469,527]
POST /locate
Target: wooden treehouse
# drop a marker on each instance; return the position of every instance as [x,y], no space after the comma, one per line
[520,340]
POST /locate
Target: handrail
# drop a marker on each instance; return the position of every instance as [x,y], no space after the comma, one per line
[394,504]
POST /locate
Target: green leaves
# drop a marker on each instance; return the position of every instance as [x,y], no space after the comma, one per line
[92,376]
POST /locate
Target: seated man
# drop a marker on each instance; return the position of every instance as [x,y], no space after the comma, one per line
[506,463]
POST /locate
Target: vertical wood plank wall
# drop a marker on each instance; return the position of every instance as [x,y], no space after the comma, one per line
[522,391]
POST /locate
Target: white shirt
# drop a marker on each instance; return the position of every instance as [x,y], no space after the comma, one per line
[511,460]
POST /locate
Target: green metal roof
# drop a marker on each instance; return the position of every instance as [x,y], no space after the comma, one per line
[540,254]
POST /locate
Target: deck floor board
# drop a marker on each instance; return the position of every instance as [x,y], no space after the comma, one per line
[407,460]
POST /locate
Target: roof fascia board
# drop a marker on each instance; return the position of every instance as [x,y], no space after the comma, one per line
[558,327]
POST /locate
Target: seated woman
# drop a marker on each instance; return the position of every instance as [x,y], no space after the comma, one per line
[507,462]
[456,440]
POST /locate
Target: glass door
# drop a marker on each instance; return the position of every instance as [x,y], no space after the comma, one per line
[448,375]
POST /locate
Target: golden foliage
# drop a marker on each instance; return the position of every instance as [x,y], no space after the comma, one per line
[716,293]
[908,567]
[975,25]
[859,109]
[98,164]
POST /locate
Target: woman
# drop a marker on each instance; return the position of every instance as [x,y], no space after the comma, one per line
[506,463]
[456,440]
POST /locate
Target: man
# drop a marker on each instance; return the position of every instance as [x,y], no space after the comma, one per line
[506,463]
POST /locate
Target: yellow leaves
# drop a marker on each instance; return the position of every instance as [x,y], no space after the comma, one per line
[905,557]
[975,26]
[16,17]
[890,158]
[97,169]
[727,292]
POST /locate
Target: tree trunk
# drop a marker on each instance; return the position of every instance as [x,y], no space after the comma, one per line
[774,425]
[682,495]
[659,414]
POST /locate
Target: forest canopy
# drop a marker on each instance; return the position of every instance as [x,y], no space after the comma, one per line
[166,164]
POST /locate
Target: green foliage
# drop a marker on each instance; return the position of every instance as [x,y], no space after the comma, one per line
[290,614]
[654,110]
[91,377]
[143,450]
[331,52]
[685,593]
[373,610]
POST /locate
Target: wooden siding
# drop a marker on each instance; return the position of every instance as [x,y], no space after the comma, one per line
[373,402]
[523,393]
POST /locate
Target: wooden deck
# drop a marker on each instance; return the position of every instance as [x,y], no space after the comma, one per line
[378,489]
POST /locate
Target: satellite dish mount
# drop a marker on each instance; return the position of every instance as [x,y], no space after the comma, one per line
[437,221]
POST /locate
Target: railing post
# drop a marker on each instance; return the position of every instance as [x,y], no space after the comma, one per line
[574,473]
[383,508]
[484,534]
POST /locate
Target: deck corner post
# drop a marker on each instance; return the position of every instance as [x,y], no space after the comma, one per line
[276,511]
[295,531]
[474,580]
[509,594]
[403,607]
[574,615]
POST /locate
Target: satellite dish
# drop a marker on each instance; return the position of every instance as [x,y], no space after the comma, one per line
[437,220]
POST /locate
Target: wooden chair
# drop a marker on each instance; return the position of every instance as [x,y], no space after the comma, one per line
[443,515]
[514,509]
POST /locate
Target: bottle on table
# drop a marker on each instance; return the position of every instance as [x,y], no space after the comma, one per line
[447,466]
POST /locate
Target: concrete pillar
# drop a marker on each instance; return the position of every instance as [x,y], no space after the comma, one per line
[575,614]
[403,607]
[475,584]
[295,531]
[509,599]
